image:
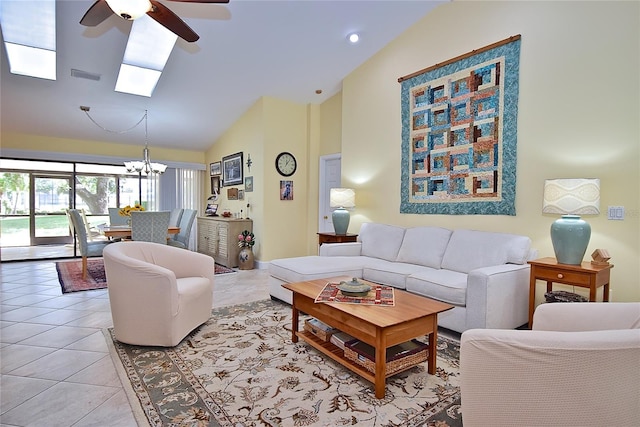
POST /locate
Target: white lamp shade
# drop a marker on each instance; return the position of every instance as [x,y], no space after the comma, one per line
[571,196]
[342,198]
[133,8]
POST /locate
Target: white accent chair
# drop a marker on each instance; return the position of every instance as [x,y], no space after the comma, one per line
[158,293]
[579,366]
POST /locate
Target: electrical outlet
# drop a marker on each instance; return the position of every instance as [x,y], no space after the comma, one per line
[615,213]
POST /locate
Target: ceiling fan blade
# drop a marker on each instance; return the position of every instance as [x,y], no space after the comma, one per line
[201,1]
[164,16]
[97,13]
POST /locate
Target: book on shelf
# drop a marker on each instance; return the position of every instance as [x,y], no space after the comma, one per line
[340,338]
[393,353]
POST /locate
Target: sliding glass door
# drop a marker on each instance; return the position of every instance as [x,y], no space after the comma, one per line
[51,196]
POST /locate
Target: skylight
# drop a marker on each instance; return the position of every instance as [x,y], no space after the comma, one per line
[147,52]
[29,32]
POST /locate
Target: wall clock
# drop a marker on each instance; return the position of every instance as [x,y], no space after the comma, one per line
[286,164]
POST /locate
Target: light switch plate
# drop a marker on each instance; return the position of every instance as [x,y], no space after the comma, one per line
[615,213]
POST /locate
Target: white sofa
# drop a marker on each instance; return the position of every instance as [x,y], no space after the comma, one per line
[485,275]
[579,366]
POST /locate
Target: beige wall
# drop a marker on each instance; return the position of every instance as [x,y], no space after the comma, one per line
[578,117]
[331,125]
[98,148]
[269,127]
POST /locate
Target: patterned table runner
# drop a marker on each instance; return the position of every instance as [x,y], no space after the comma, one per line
[378,295]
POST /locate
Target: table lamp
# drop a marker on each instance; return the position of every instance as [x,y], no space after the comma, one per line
[341,198]
[571,198]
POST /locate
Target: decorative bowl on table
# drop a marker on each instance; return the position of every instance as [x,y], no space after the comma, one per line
[354,288]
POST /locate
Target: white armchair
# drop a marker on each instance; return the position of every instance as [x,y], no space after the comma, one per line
[579,366]
[158,293]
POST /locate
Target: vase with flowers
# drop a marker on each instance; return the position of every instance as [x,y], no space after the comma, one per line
[126,211]
[246,240]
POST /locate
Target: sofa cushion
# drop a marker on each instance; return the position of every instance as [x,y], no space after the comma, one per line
[471,249]
[389,273]
[381,240]
[424,246]
[298,269]
[443,285]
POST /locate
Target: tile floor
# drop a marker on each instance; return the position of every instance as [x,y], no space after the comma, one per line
[55,366]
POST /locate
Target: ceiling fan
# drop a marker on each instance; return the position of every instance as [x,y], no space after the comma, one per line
[133,9]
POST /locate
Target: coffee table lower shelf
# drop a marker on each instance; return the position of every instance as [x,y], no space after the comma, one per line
[337,354]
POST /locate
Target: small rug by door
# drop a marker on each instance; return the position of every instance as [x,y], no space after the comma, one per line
[241,369]
[70,275]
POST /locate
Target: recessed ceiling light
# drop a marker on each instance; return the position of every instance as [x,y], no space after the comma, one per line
[354,37]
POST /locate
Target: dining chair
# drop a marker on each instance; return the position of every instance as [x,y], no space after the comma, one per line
[87,248]
[115,218]
[150,226]
[181,239]
[93,233]
[176,215]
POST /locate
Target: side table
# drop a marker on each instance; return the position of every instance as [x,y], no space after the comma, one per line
[585,275]
[331,237]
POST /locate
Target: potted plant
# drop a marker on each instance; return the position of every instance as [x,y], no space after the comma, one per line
[246,240]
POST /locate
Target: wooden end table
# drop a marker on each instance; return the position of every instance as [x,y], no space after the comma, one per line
[331,237]
[586,275]
[381,327]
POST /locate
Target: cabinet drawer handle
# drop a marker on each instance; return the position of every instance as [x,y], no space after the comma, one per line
[560,275]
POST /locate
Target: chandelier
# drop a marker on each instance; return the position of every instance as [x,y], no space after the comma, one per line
[145,165]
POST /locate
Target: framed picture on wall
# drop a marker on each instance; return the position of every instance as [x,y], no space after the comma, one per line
[286,190]
[214,169]
[232,169]
[240,194]
[215,184]
[248,184]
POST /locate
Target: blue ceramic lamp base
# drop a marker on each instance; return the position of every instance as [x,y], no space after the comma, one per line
[570,237]
[340,219]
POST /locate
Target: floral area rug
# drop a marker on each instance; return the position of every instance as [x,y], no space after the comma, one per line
[241,369]
[70,275]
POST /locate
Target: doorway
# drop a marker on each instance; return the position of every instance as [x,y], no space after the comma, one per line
[330,177]
[50,197]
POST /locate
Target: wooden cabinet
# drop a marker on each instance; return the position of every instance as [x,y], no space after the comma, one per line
[218,237]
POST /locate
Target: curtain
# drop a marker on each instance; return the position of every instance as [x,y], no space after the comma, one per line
[189,190]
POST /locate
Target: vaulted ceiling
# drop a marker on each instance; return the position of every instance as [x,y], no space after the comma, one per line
[247,49]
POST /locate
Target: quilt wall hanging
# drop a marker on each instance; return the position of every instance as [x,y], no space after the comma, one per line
[459,128]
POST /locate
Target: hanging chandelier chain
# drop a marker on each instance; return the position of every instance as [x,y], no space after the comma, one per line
[146,165]
[120,132]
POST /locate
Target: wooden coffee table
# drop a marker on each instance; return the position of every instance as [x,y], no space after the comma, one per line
[381,327]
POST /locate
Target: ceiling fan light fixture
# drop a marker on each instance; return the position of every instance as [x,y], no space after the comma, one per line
[130,9]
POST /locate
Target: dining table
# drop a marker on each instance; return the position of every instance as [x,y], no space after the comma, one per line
[124,231]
